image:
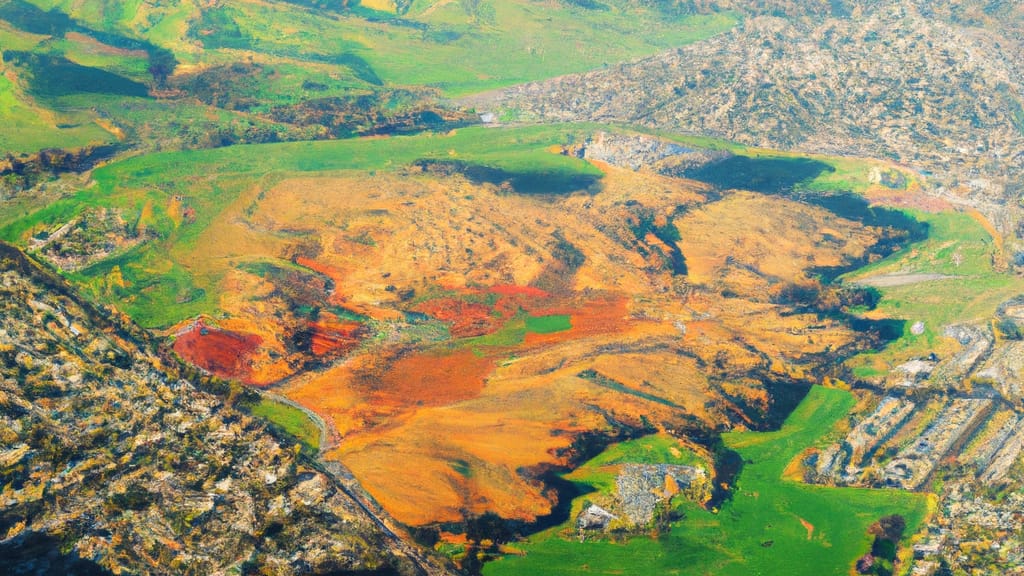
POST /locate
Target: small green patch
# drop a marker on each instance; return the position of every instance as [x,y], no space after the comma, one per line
[462,467]
[655,449]
[511,334]
[548,324]
[290,420]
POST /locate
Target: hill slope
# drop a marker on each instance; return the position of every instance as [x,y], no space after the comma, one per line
[112,463]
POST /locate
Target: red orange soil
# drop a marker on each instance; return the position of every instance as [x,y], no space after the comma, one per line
[333,336]
[433,379]
[219,352]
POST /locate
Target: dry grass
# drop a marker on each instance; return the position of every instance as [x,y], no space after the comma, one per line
[435,429]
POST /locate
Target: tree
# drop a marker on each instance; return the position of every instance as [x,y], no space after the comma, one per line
[161,65]
[893,527]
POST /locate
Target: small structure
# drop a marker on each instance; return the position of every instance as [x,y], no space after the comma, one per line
[912,373]
[594,517]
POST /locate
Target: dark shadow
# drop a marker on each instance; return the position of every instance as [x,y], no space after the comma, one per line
[530,183]
[40,554]
[728,465]
[782,176]
[31,18]
[567,492]
[54,76]
[784,396]
[765,175]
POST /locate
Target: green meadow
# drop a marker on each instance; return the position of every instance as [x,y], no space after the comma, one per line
[289,419]
[436,49]
[26,126]
[548,324]
[961,250]
[758,531]
[599,474]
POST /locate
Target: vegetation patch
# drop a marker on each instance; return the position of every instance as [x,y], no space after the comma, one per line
[548,324]
[290,420]
[758,530]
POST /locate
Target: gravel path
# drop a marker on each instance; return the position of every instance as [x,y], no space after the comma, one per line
[890,280]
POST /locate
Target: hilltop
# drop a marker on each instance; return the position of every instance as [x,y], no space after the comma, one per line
[884,81]
[484,288]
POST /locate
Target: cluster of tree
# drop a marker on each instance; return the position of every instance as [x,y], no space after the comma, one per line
[881,561]
[381,112]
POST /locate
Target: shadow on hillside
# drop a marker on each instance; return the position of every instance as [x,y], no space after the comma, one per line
[527,183]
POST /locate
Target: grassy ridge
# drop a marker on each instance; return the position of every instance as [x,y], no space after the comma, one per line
[657,449]
[758,531]
[303,54]
[27,127]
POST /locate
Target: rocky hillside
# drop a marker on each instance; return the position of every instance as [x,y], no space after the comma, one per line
[932,88]
[110,463]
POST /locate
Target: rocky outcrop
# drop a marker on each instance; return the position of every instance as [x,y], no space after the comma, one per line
[643,487]
[897,81]
[594,518]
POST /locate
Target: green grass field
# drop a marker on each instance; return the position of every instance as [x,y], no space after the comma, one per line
[289,419]
[548,324]
[657,449]
[957,246]
[514,332]
[758,532]
[29,128]
[437,49]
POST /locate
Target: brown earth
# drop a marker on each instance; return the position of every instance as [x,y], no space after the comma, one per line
[445,406]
